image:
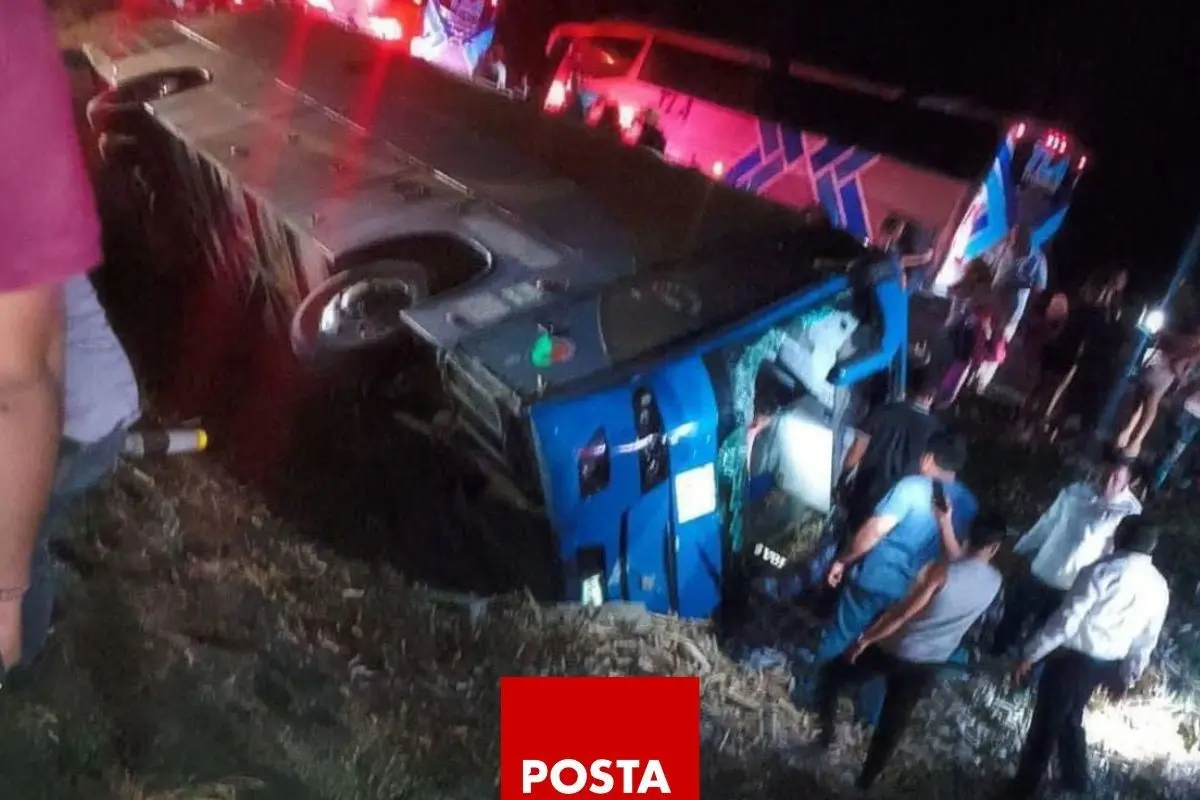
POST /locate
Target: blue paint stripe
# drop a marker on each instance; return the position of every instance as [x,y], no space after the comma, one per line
[793,145]
[826,154]
[1044,232]
[745,165]
[827,194]
[1003,168]
[852,209]
[854,163]
[769,171]
[768,133]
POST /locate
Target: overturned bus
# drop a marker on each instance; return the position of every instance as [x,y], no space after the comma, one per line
[610,333]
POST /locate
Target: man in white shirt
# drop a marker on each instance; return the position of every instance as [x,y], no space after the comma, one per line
[100,401]
[1106,628]
[1074,533]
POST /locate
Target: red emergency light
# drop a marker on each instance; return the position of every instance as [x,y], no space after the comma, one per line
[1056,142]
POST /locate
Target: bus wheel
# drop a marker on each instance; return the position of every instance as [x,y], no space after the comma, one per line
[357,309]
[109,110]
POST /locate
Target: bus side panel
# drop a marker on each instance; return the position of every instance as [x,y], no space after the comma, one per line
[685,394]
[655,550]
[568,433]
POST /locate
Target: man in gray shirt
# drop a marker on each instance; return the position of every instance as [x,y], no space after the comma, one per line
[912,639]
[100,402]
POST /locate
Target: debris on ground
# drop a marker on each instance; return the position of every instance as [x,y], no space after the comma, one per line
[208,648]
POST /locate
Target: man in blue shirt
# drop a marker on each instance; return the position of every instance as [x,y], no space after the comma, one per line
[906,532]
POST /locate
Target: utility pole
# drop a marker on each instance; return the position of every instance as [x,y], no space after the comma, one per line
[1187,259]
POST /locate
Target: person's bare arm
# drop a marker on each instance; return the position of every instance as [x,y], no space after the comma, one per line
[31,345]
[870,534]
[927,585]
[855,455]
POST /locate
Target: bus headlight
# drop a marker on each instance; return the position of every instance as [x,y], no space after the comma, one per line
[696,492]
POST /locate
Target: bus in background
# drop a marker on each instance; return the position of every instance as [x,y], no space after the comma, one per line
[457,34]
[955,179]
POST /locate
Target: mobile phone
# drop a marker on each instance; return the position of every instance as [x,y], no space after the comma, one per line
[939,497]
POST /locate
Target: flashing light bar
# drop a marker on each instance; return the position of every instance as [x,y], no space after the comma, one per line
[1056,142]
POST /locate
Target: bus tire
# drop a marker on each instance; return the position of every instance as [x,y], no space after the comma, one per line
[403,284]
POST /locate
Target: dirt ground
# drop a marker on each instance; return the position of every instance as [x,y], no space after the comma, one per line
[212,648]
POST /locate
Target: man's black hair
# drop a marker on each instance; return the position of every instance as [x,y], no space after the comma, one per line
[989,528]
[1133,535]
[923,381]
[949,451]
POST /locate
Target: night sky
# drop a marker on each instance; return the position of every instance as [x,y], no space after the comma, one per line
[1119,79]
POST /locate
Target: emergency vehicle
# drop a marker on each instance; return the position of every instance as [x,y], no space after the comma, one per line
[608,331]
[868,154]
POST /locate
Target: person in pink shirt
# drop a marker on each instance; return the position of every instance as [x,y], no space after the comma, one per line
[51,232]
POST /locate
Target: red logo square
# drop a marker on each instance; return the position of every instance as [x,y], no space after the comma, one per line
[613,737]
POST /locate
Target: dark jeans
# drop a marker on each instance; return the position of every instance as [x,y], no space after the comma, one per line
[856,609]
[1029,602]
[80,467]
[907,684]
[1063,693]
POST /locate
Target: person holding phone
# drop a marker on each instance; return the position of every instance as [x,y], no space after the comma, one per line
[912,639]
[922,518]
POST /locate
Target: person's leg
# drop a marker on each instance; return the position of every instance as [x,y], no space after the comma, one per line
[1020,604]
[1072,739]
[1135,418]
[1051,709]
[37,607]
[1046,601]
[906,685]
[1144,426]
[856,609]
[831,679]
[1188,426]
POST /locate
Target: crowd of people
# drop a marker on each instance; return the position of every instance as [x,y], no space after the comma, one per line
[912,574]
[907,570]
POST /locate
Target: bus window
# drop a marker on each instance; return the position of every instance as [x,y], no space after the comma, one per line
[605,57]
[725,83]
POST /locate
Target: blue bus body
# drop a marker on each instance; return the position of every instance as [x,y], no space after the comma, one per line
[640,426]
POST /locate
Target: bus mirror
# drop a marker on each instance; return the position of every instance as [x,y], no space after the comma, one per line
[880,296]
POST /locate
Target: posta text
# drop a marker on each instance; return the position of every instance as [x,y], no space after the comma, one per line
[612,737]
